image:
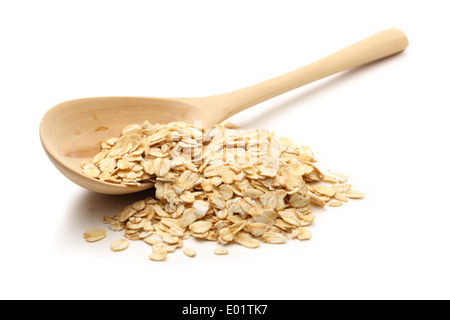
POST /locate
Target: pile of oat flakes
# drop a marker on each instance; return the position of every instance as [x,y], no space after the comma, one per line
[223,184]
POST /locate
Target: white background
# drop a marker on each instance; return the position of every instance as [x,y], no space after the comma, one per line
[385,126]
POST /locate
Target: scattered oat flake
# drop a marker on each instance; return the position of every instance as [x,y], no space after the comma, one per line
[353,194]
[95,234]
[190,252]
[221,251]
[119,245]
[335,204]
[158,255]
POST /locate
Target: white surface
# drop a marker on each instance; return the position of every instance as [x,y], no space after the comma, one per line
[385,126]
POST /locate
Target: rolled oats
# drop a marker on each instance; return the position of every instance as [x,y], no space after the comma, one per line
[158,255]
[353,194]
[116,225]
[220,251]
[246,240]
[304,234]
[274,237]
[340,196]
[223,184]
[226,235]
[119,245]
[201,226]
[257,229]
[190,252]
[94,234]
[153,239]
[335,204]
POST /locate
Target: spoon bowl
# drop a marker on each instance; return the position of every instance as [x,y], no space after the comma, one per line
[72,131]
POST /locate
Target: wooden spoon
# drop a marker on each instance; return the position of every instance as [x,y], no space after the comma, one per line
[72,131]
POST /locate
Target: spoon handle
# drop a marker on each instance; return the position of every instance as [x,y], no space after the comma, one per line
[375,47]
